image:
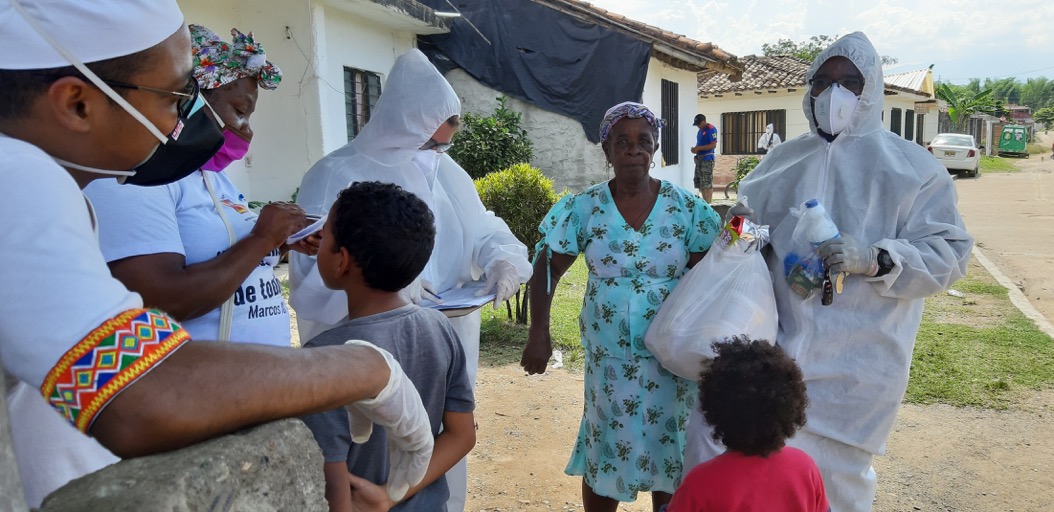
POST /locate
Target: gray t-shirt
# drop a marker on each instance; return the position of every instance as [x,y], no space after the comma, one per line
[427,348]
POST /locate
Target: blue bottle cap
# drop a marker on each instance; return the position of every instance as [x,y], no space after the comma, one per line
[812,203]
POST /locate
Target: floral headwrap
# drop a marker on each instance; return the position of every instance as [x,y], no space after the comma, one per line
[631,110]
[217,63]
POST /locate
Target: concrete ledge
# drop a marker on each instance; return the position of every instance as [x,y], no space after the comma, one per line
[274,467]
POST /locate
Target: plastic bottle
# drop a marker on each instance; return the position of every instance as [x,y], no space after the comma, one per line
[819,227]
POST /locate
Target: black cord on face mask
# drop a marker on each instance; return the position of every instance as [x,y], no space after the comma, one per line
[828,136]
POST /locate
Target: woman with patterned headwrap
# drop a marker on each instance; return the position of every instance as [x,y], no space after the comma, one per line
[639,235]
[194,248]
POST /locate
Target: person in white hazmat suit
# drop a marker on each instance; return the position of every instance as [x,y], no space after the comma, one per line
[768,140]
[412,123]
[902,239]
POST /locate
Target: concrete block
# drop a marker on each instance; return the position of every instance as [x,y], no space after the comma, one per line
[11,497]
[274,467]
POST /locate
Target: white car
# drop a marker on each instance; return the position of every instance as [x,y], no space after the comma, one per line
[957,152]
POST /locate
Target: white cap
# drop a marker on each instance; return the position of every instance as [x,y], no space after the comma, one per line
[91,30]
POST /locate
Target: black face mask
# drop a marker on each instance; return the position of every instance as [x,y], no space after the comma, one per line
[196,138]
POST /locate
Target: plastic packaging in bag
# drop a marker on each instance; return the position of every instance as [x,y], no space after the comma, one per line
[803,267]
[729,293]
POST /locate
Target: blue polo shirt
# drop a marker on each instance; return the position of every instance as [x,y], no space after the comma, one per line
[706,135]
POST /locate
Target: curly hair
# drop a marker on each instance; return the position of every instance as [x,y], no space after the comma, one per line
[388,231]
[753,396]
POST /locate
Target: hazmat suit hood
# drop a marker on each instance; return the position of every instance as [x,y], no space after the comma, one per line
[868,115]
[415,102]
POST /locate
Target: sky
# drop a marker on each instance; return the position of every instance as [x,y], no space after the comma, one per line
[964,39]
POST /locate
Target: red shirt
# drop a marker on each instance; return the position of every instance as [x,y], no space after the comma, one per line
[787,480]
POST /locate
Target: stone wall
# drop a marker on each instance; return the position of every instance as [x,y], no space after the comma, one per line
[561,149]
[274,467]
[11,498]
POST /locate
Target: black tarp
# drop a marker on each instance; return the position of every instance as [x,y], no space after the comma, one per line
[542,56]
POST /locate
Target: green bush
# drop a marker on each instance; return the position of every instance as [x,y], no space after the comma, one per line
[521,195]
[743,167]
[489,144]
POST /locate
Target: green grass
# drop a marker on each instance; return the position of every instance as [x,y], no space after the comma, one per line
[994,164]
[502,341]
[989,362]
[1034,148]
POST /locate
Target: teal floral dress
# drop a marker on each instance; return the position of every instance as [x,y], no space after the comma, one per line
[631,438]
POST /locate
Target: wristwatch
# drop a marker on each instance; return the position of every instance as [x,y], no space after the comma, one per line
[885,263]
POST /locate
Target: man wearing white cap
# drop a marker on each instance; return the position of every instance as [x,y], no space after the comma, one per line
[111,368]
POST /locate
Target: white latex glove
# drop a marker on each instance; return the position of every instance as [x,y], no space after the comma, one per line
[502,281]
[421,289]
[847,254]
[399,410]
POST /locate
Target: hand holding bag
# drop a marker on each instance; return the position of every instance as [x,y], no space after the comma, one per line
[729,293]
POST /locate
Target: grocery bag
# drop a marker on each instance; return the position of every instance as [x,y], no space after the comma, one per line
[728,293]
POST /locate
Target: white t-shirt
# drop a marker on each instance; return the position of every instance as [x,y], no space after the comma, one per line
[181,218]
[57,288]
[56,285]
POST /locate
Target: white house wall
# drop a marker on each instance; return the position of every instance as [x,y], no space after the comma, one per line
[357,43]
[287,125]
[715,107]
[304,119]
[687,101]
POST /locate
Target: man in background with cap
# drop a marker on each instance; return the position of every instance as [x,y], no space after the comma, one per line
[113,369]
[705,142]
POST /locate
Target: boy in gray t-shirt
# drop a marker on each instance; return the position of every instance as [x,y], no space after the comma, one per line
[377,239]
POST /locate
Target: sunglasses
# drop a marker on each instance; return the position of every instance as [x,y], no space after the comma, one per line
[439,147]
[853,84]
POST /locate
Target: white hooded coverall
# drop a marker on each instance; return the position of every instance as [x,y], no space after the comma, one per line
[856,353]
[415,102]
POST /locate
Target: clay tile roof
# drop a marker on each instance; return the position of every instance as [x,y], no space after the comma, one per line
[759,73]
[672,48]
[771,73]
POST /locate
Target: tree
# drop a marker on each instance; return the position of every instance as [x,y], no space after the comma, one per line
[1046,116]
[962,103]
[810,49]
[521,195]
[489,144]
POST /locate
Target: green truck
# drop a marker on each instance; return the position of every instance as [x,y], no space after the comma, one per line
[1014,141]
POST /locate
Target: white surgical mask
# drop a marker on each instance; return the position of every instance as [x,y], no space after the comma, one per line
[834,108]
[427,161]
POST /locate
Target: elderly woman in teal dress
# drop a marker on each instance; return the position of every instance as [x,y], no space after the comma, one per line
[639,235]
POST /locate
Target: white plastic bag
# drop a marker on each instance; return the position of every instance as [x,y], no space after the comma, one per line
[729,293]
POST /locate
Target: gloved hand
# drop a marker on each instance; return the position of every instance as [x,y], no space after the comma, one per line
[399,410]
[421,289]
[849,255]
[740,209]
[502,281]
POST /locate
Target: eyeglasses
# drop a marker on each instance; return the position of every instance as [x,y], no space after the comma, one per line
[439,147]
[854,84]
[184,104]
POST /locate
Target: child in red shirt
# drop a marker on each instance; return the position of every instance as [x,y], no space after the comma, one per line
[754,397]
